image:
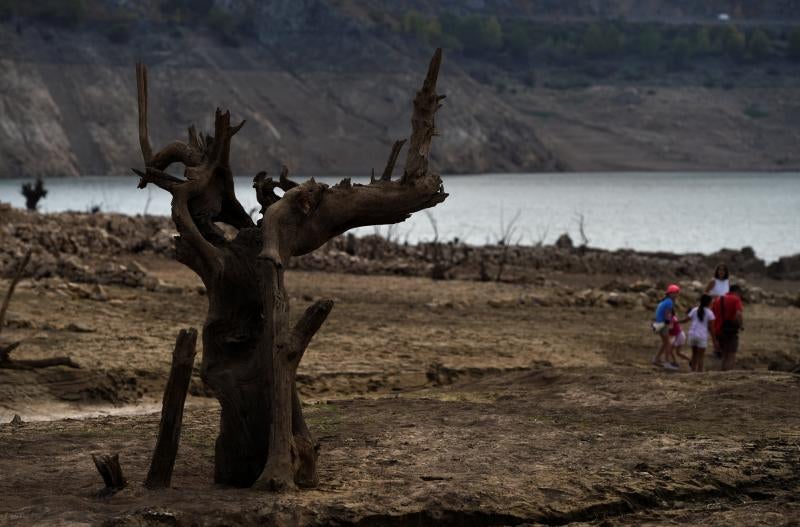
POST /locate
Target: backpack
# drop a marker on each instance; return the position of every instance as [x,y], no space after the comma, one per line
[730,328]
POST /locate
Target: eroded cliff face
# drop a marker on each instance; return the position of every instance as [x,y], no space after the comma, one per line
[321,102]
[326,87]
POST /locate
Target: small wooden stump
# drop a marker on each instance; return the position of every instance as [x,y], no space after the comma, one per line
[109,468]
[169,433]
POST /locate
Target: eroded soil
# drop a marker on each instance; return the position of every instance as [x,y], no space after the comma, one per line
[431,408]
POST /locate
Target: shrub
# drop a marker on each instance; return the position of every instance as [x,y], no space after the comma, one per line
[475,34]
[648,44]
[702,42]
[679,52]
[754,111]
[733,43]
[7,9]
[602,41]
[223,26]
[793,49]
[427,29]
[517,40]
[119,32]
[759,45]
[66,13]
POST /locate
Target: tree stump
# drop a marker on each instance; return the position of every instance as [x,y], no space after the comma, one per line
[169,432]
[110,470]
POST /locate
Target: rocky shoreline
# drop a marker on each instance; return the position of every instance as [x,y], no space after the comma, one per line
[99,249]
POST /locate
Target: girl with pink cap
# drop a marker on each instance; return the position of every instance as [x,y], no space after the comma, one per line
[662,324]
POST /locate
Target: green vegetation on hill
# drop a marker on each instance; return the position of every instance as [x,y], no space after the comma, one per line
[578,42]
[116,22]
[66,13]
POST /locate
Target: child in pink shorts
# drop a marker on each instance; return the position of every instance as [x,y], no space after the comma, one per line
[678,337]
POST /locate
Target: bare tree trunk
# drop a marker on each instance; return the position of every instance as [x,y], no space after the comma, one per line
[169,432]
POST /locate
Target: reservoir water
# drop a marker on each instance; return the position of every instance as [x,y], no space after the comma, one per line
[678,212]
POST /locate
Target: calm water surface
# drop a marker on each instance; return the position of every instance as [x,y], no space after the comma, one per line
[679,212]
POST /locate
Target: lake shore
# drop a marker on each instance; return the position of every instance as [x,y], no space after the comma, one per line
[617,211]
[435,402]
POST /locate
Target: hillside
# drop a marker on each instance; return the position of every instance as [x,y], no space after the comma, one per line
[325,86]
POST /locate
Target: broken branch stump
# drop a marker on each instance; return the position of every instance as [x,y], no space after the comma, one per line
[169,432]
[111,472]
[12,286]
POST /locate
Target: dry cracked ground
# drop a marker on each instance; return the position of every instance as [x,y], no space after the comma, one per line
[431,407]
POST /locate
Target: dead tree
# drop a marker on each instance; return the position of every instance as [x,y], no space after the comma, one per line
[505,235]
[33,193]
[7,346]
[12,286]
[250,352]
[439,269]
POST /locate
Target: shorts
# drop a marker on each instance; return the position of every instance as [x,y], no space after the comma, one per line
[679,339]
[697,342]
[728,344]
[660,328]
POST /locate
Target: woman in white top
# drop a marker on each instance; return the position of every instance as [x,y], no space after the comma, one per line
[701,318]
[719,285]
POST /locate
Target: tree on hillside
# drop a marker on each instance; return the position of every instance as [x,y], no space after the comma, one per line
[427,29]
[758,45]
[702,44]
[250,350]
[476,34]
[602,41]
[734,43]
[794,44]
[517,40]
[66,13]
[648,44]
[679,52]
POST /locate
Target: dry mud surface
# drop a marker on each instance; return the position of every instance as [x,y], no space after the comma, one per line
[435,403]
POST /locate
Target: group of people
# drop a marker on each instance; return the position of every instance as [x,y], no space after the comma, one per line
[718,317]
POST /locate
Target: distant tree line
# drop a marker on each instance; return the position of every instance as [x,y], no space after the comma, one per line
[569,43]
[66,13]
[117,22]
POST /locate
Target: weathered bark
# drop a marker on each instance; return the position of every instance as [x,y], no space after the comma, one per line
[111,472]
[250,352]
[169,431]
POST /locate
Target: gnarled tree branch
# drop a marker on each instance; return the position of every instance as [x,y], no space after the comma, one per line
[205,195]
[309,215]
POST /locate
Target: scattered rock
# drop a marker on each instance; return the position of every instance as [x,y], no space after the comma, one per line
[150,283]
[99,293]
[168,288]
[78,327]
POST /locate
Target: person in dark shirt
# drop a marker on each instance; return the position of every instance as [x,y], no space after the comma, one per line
[729,321]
